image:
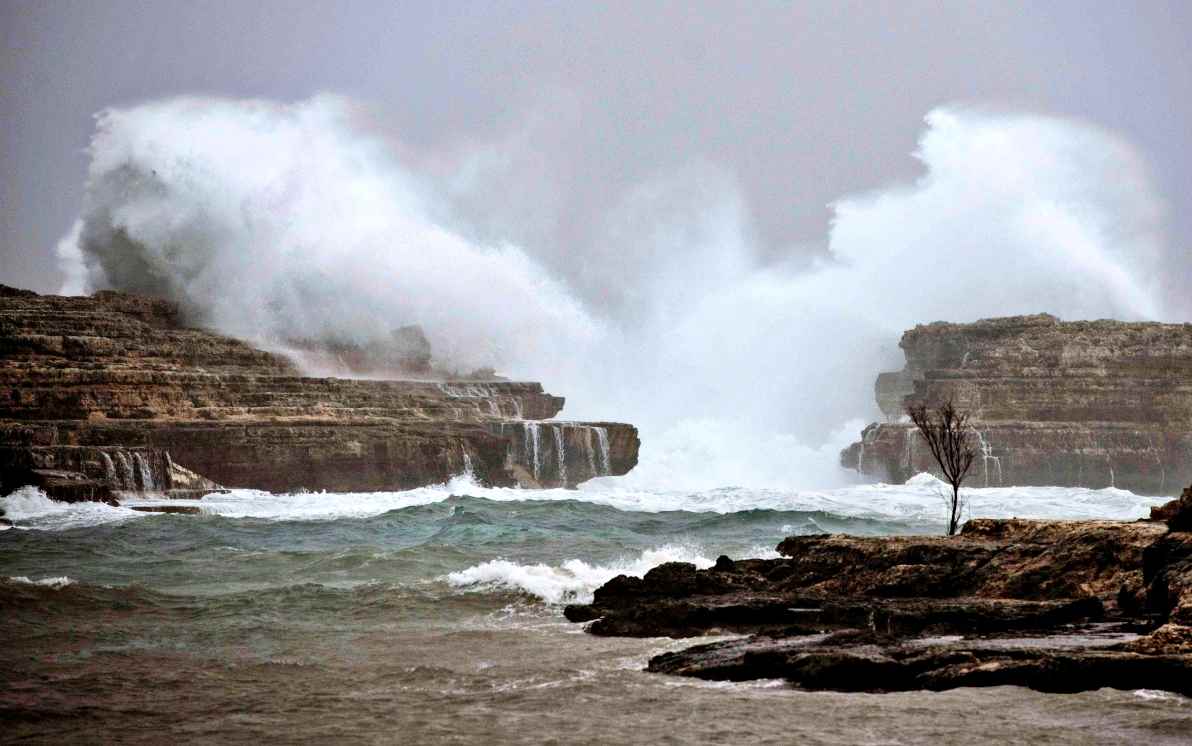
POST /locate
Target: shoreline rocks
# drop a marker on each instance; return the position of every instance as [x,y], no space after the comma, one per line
[90,384]
[1067,403]
[1054,605]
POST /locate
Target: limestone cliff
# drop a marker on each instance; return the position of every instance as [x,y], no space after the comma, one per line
[1080,403]
[112,393]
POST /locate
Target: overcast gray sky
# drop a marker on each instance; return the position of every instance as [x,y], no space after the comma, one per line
[799,102]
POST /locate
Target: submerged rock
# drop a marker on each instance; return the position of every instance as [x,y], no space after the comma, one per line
[1081,403]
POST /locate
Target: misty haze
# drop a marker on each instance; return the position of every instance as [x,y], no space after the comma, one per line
[387,373]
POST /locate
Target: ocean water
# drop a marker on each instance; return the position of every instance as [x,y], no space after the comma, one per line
[435,615]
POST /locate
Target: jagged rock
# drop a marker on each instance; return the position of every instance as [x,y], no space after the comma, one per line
[1177,513]
[882,665]
[84,376]
[171,509]
[1053,605]
[1082,403]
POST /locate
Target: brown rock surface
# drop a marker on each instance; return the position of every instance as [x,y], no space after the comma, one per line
[89,383]
[1054,605]
[1080,403]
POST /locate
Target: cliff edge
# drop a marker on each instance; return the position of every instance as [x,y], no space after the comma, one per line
[1067,403]
[112,393]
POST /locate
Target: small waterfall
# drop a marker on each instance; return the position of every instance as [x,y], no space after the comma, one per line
[144,472]
[605,453]
[906,454]
[987,456]
[493,409]
[591,451]
[127,480]
[517,410]
[861,455]
[560,453]
[109,468]
[531,447]
[468,471]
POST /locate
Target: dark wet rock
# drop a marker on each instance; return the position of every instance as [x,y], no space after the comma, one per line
[1054,605]
[1177,513]
[171,509]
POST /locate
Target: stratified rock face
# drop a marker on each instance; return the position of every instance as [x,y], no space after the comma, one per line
[115,378]
[1082,403]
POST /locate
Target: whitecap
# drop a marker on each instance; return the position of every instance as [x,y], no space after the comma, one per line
[57,583]
[572,581]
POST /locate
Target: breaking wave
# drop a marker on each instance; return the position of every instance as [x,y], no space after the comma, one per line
[276,220]
[918,503]
[571,582]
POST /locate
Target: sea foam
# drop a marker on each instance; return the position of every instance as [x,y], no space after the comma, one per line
[573,580]
[919,501]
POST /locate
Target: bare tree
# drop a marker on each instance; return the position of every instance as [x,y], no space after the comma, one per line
[946,431]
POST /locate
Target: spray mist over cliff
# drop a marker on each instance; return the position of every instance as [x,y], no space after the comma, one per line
[281,221]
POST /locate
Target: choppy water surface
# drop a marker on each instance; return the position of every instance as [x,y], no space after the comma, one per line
[435,614]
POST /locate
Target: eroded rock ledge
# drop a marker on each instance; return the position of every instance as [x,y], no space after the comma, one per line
[1070,403]
[1052,605]
[112,393]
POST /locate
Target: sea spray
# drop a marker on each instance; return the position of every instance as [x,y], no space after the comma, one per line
[272,220]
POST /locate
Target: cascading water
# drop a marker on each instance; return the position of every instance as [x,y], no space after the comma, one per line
[603,451]
[987,456]
[127,479]
[531,447]
[591,452]
[560,453]
[144,472]
[108,467]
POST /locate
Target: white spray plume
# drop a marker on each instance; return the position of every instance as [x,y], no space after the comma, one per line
[273,222]
[273,219]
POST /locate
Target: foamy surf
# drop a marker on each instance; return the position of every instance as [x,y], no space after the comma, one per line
[57,583]
[571,582]
[918,501]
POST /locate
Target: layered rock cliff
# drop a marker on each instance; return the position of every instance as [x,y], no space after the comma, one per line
[1080,403]
[113,393]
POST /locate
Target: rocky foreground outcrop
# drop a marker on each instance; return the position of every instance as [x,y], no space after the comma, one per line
[113,393]
[1053,605]
[1070,403]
